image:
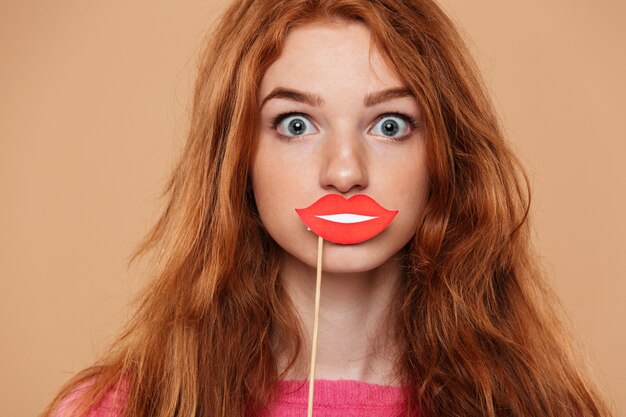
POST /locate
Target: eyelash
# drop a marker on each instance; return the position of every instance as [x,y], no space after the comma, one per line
[408,119]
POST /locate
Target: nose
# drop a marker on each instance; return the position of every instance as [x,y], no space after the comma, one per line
[344,164]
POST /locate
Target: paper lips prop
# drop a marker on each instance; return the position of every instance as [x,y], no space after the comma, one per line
[346,221]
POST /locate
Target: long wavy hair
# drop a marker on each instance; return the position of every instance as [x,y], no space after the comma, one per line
[477,328]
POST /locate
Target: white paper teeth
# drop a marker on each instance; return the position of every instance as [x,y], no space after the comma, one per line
[346,218]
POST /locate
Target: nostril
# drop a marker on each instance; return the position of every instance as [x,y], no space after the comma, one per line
[345,186]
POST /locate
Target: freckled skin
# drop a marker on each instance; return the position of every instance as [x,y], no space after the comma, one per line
[337,148]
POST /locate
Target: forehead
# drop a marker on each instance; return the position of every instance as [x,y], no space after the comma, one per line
[326,55]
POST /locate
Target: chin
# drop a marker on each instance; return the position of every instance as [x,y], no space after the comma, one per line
[345,259]
[362,257]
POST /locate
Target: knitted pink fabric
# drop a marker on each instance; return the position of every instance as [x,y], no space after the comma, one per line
[337,398]
[331,398]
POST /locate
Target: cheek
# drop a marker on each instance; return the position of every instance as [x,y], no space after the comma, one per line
[402,167]
[276,184]
[414,186]
[407,181]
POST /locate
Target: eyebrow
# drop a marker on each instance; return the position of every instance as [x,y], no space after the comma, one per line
[370,99]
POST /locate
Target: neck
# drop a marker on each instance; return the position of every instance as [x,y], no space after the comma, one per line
[354,336]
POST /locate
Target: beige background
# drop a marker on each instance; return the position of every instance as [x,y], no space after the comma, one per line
[94,100]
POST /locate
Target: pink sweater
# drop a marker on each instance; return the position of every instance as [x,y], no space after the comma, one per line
[340,398]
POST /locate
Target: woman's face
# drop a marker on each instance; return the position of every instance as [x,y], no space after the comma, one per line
[325,129]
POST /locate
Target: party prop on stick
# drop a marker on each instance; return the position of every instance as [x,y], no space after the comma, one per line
[345,222]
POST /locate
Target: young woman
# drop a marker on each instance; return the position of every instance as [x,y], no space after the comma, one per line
[441,312]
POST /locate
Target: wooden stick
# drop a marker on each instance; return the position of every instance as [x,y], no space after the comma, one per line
[318,285]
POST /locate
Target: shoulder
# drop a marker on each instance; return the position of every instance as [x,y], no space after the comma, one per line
[111,404]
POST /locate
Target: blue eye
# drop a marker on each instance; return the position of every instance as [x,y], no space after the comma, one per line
[291,125]
[391,124]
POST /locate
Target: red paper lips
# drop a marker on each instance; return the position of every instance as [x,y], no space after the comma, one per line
[346,221]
